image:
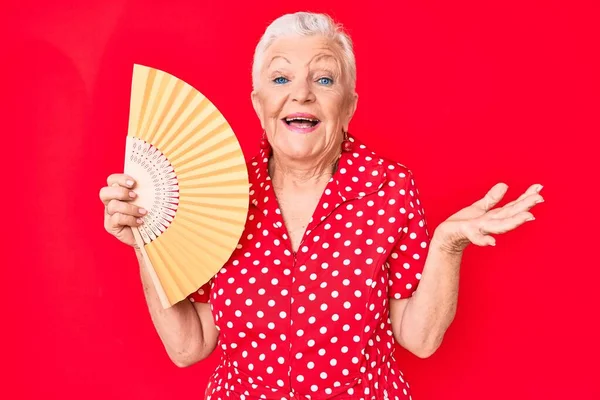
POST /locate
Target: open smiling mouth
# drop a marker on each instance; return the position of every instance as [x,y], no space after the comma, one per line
[302,124]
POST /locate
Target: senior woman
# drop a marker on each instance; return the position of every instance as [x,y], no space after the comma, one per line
[336,263]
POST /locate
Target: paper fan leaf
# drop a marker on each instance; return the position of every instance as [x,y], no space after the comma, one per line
[192,178]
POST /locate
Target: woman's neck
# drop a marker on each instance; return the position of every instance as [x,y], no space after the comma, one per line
[285,173]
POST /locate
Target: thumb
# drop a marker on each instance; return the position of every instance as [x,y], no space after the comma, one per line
[492,197]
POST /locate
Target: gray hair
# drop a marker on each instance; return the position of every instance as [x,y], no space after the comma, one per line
[306,24]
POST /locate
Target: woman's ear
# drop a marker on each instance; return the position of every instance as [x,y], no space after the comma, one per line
[351,109]
[256,103]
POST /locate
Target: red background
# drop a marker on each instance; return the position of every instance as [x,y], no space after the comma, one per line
[466,94]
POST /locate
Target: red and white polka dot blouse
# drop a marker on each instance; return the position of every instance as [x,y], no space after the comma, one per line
[315,324]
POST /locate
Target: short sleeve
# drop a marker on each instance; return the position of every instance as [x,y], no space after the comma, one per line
[202,295]
[407,258]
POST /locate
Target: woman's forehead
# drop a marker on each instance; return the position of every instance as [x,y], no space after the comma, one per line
[312,49]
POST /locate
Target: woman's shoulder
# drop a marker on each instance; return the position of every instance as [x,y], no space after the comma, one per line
[395,170]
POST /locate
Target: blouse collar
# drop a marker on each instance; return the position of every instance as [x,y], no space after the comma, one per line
[360,172]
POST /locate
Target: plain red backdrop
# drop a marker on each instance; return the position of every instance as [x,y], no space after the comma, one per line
[467,94]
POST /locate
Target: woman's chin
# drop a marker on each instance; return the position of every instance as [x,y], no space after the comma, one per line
[298,151]
[298,154]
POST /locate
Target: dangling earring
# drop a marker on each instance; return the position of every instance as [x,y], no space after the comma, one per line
[264,143]
[346,144]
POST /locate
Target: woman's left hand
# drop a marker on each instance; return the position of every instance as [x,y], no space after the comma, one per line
[475,223]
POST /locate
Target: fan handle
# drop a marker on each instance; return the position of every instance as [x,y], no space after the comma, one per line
[153,275]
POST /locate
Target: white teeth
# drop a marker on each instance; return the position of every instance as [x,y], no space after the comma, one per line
[301,119]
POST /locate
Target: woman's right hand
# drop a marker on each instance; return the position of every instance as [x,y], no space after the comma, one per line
[119,214]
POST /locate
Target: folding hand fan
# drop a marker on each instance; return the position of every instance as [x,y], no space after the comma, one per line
[191,177]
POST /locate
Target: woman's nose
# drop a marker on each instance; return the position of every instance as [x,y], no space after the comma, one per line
[302,91]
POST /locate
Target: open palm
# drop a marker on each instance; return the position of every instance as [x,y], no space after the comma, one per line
[475,223]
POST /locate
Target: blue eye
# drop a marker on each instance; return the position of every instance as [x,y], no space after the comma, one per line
[325,81]
[280,80]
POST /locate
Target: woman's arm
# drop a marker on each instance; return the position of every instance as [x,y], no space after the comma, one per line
[419,323]
[187,330]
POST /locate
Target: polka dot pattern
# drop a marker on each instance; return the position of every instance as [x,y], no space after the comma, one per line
[314,323]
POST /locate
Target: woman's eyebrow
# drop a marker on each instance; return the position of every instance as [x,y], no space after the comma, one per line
[322,56]
[337,68]
[276,57]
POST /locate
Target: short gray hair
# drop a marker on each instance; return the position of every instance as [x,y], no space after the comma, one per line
[306,24]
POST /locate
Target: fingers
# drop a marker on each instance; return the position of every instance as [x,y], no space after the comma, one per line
[121,180]
[525,202]
[116,220]
[480,239]
[116,206]
[533,189]
[492,197]
[108,193]
[496,226]
[502,220]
